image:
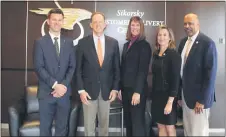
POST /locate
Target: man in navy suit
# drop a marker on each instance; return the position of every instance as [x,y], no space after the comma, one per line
[198,74]
[54,62]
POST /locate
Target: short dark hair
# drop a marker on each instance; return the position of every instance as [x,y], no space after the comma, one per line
[95,13]
[142,33]
[55,11]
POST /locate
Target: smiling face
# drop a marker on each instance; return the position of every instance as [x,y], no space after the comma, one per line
[191,24]
[98,24]
[135,28]
[163,38]
[55,22]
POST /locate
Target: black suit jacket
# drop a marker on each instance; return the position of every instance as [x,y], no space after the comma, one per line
[135,65]
[166,78]
[89,75]
[50,68]
[199,72]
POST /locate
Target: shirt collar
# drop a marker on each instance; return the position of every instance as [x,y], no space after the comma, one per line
[133,39]
[96,37]
[53,36]
[195,36]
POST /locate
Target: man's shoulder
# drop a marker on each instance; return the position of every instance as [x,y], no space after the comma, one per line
[84,42]
[84,39]
[182,42]
[67,38]
[173,53]
[41,38]
[205,38]
[183,39]
[110,38]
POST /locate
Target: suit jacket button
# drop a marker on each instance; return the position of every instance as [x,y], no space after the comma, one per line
[58,66]
[98,81]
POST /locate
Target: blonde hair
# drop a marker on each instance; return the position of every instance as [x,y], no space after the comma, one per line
[172,44]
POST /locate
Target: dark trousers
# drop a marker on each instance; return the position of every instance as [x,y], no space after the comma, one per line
[54,109]
[134,115]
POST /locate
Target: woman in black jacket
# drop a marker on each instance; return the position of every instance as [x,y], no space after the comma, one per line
[166,67]
[135,61]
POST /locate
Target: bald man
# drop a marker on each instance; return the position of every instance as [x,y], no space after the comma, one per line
[198,74]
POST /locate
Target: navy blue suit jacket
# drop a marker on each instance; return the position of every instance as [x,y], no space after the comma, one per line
[199,72]
[50,68]
[89,75]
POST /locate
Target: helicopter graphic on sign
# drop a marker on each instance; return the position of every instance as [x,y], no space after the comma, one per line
[72,16]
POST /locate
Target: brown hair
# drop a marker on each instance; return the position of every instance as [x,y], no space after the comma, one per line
[94,13]
[172,44]
[55,11]
[142,33]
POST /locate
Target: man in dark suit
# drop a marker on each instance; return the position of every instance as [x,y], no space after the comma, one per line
[97,75]
[198,71]
[54,62]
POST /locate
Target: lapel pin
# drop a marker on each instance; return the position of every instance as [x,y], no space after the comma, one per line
[196,42]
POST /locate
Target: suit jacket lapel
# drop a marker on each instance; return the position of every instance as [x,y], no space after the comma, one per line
[52,46]
[193,48]
[62,43]
[107,50]
[93,51]
[181,47]
[125,50]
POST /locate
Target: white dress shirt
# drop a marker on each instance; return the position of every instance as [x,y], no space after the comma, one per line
[193,38]
[58,40]
[102,40]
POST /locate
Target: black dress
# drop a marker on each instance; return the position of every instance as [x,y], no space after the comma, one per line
[166,77]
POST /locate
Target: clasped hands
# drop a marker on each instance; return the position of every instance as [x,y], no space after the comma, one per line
[84,95]
[59,90]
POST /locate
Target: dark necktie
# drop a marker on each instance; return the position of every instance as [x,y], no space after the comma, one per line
[56,45]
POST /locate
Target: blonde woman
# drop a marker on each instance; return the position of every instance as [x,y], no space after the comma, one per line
[166,76]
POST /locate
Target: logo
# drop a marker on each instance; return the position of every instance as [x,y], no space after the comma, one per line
[72,16]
